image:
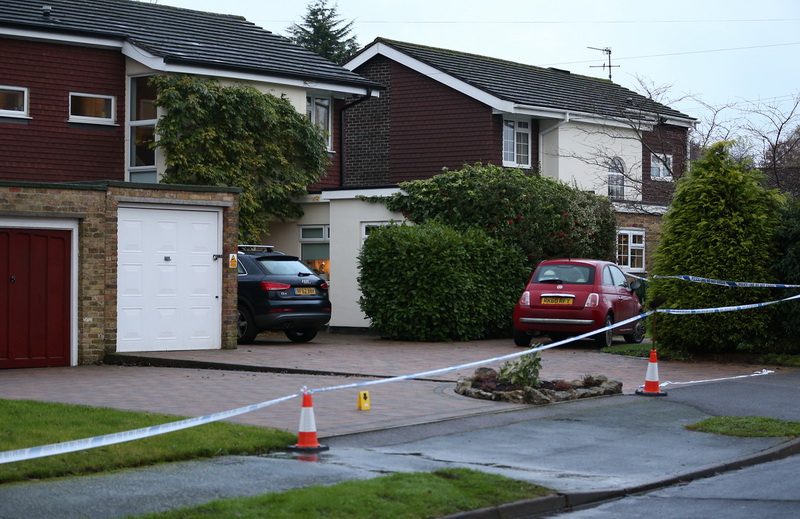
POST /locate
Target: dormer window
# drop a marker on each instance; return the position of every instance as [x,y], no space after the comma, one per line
[13,101]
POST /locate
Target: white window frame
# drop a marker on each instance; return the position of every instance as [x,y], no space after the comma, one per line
[83,119]
[325,126]
[326,233]
[366,227]
[518,130]
[23,113]
[661,164]
[616,179]
[132,168]
[625,261]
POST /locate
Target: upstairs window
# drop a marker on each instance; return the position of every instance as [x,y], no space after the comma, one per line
[516,143]
[89,108]
[318,110]
[13,101]
[142,131]
[661,166]
[616,179]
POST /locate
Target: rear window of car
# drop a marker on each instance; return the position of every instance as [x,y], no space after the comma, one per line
[284,267]
[565,274]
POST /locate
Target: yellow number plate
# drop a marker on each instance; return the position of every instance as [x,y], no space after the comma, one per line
[302,291]
[556,300]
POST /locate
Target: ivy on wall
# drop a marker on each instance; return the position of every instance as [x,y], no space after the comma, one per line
[217,135]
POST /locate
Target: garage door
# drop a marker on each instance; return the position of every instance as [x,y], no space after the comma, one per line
[169,279]
[34,297]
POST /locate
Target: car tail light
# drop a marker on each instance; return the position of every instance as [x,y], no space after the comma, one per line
[268,286]
[323,286]
[525,299]
[280,310]
[593,300]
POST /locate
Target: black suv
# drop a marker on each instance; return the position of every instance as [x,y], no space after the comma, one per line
[279,292]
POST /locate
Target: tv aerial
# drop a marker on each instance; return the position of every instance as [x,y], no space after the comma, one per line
[607,52]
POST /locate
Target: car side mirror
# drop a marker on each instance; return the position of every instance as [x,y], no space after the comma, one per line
[635,285]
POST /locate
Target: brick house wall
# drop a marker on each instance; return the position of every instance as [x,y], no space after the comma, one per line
[46,147]
[95,207]
[669,140]
[651,224]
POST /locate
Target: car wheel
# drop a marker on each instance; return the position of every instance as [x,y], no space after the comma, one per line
[301,334]
[638,334]
[522,339]
[604,339]
[246,327]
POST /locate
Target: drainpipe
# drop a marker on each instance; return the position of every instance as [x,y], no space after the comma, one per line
[342,126]
[542,134]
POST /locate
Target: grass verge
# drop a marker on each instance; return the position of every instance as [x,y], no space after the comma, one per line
[28,423]
[747,426]
[404,495]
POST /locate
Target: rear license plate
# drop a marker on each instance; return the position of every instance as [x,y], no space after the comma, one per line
[303,291]
[556,300]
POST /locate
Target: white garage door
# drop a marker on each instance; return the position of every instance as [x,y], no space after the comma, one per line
[168,280]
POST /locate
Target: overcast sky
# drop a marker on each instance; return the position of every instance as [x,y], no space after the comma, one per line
[720,51]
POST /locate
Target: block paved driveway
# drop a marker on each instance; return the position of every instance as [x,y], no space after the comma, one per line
[198,392]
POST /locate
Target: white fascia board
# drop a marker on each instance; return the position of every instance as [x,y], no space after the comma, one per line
[431,72]
[76,39]
[634,207]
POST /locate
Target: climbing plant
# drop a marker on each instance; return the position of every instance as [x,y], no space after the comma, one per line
[221,135]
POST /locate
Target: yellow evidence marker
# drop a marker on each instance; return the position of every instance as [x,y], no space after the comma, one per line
[363,401]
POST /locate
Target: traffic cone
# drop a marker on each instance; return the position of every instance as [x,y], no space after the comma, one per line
[307,438]
[651,387]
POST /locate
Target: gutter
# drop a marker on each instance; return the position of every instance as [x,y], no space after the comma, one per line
[342,126]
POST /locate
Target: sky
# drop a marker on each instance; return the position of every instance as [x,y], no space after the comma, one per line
[739,52]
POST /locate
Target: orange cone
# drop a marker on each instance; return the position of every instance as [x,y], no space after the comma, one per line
[307,437]
[651,387]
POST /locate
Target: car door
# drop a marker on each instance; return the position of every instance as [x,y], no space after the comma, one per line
[624,302]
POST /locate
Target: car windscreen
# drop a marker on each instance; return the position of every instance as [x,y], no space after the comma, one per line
[565,274]
[290,267]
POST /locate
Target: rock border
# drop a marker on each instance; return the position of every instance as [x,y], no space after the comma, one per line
[573,390]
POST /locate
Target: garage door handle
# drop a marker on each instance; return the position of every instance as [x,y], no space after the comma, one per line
[217,256]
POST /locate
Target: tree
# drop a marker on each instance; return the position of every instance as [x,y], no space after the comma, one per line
[721,225]
[322,32]
[216,135]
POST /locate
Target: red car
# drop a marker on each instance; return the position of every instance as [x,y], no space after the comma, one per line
[573,296]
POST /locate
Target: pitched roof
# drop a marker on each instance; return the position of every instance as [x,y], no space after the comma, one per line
[180,37]
[529,85]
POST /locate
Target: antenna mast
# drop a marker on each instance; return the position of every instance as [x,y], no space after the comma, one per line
[607,52]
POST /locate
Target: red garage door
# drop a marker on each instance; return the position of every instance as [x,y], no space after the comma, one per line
[34,298]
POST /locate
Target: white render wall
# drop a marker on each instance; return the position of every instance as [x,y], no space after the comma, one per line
[576,152]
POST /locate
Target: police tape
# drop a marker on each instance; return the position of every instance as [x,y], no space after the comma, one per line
[145,432]
[126,436]
[721,309]
[737,284]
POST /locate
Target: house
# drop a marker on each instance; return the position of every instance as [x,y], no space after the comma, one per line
[132,265]
[444,108]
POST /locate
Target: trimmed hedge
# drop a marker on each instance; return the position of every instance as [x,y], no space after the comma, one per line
[431,282]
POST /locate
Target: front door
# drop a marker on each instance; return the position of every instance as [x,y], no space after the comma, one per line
[169,280]
[35,297]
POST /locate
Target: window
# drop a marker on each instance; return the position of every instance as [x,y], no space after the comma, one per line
[141,131]
[516,143]
[315,248]
[13,101]
[630,249]
[616,179]
[661,166]
[318,109]
[93,109]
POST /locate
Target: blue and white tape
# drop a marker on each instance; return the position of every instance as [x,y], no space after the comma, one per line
[737,284]
[126,436]
[137,434]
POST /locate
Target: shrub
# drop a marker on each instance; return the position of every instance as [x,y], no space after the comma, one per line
[720,225]
[432,283]
[522,372]
[787,269]
[544,217]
